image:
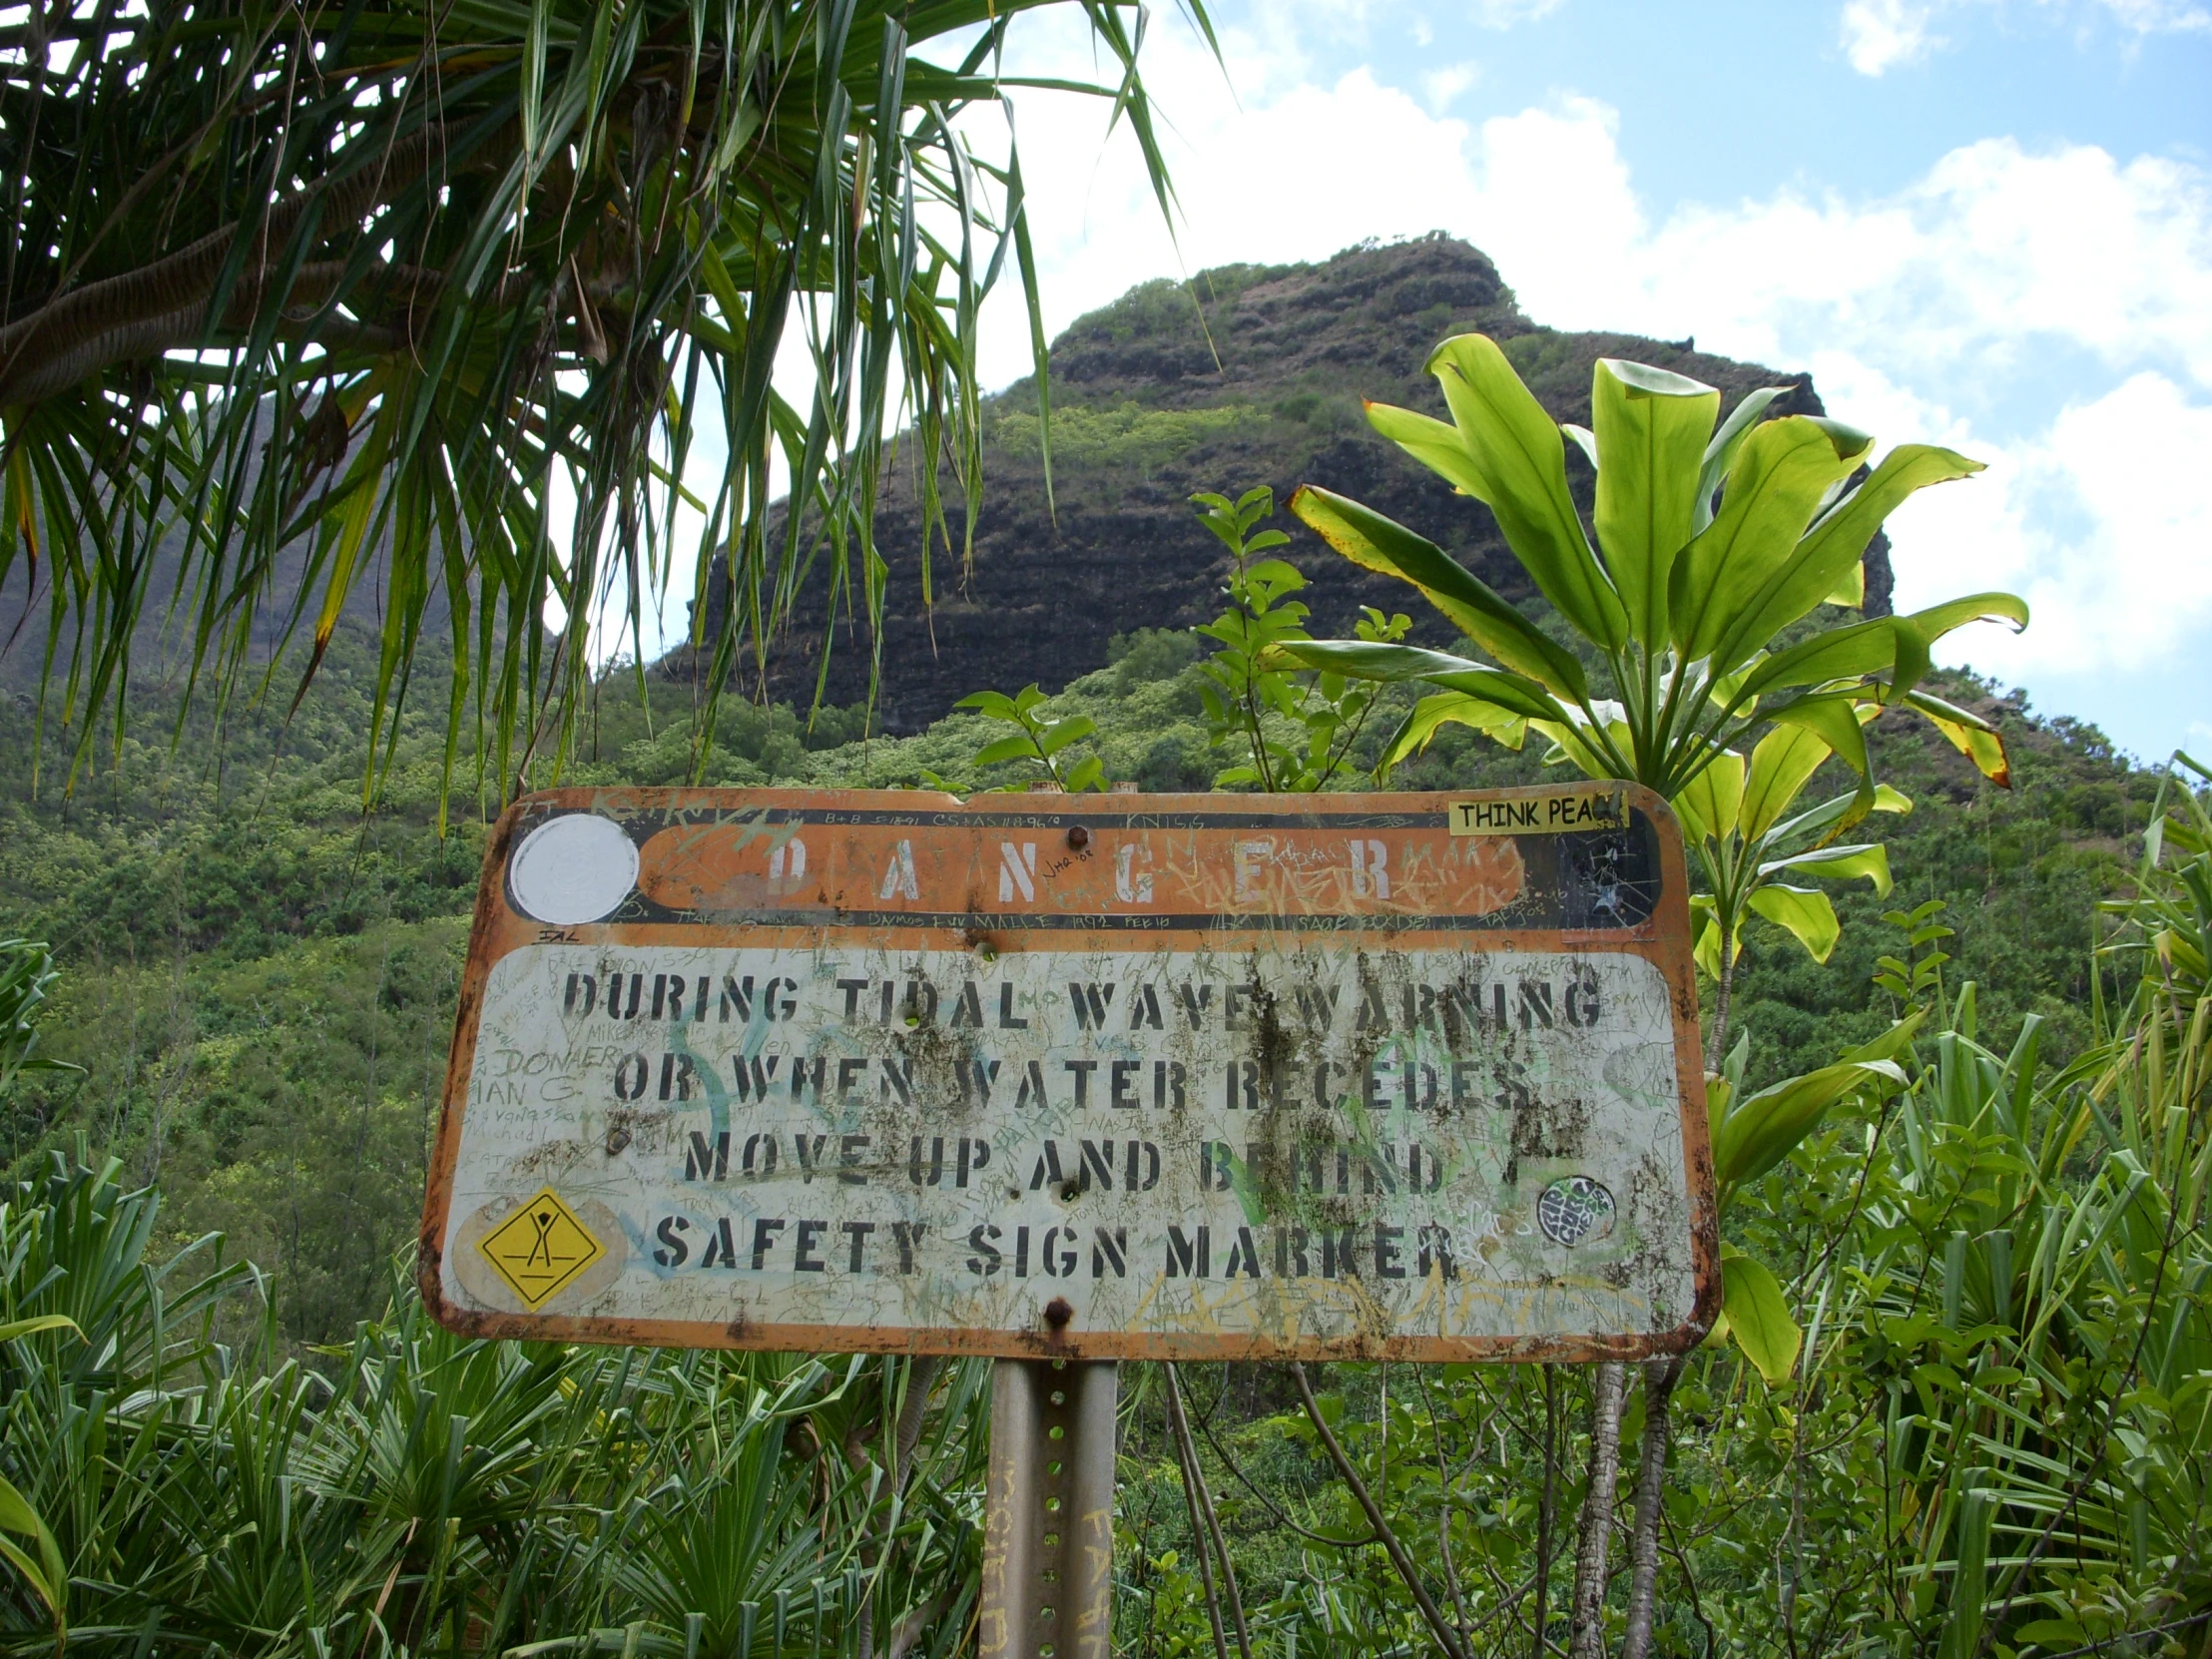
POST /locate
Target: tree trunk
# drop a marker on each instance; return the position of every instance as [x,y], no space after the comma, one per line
[164,304]
[1586,1634]
[1547,1508]
[1660,1377]
[1716,1048]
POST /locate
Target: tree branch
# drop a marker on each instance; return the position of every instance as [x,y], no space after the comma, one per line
[1447,1637]
[1201,1501]
[164,306]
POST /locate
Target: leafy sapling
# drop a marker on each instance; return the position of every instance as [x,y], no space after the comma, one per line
[1040,743]
[1297,730]
[1916,976]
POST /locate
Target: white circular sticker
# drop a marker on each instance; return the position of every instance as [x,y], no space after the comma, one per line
[573,868]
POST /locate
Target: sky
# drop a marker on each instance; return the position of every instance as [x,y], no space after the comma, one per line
[1980,222]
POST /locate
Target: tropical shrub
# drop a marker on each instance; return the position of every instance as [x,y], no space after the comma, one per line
[1712,545]
[1990,1434]
[1038,741]
[414,1492]
[1297,733]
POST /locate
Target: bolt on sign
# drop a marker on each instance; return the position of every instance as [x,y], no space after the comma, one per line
[1089,1077]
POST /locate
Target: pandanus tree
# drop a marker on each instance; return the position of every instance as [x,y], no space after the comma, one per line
[473,299]
[1698,633]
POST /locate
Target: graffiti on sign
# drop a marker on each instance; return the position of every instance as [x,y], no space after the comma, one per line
[1113,1076]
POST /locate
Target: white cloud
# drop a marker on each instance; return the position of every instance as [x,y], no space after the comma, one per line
[1505,14]
[1995,254]
[1993,307]
[2103,522]
[1879,35]
[2150,17]
[1443,86]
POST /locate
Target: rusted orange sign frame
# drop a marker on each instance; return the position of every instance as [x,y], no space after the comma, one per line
[910,871]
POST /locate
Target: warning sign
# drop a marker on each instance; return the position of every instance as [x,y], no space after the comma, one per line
[1103,1076]
[542,1248]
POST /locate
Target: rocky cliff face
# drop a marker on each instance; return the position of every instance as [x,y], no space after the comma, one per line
[1258,381]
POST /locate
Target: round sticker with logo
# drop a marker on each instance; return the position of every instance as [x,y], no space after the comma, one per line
[1575,1210]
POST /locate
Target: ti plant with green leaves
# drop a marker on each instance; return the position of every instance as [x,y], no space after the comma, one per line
[1714,542]
[1297,735]
[1038,741]
[1750,1135]
[1744,826]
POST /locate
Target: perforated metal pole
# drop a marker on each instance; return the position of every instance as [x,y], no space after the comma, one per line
[1048,1521]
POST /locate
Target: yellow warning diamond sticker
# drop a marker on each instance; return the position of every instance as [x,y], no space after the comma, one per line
[540,1247]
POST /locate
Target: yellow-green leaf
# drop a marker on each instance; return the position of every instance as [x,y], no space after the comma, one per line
[1376,543]
[1760,1128]
[1818,564]
[48,1576]
[1839,864]
[1707,951]
[1433,443]
[44,1321]
[1518,457]
[1805,912]
[1892,1042]
[1781,765]
[1967,732]
[1835,720]
[1708,803]
[1759,1316]
[1651,428]
[1431,714]
[1720,455]
[1938,619]
[1781,473]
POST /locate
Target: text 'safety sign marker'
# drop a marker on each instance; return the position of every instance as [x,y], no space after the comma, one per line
[1096,1077]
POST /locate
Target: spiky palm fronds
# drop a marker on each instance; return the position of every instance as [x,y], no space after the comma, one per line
[429,1494]
[302,291]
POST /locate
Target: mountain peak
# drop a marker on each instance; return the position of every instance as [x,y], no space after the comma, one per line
[1249,374]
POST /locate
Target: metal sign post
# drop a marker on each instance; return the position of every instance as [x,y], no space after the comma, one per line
[1065,1080]
[1048,1526]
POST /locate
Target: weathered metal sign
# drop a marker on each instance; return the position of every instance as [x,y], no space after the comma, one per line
[1092,1076]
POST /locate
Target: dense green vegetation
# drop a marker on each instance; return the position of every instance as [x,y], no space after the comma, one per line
[1995,1443]
[1959,1402]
